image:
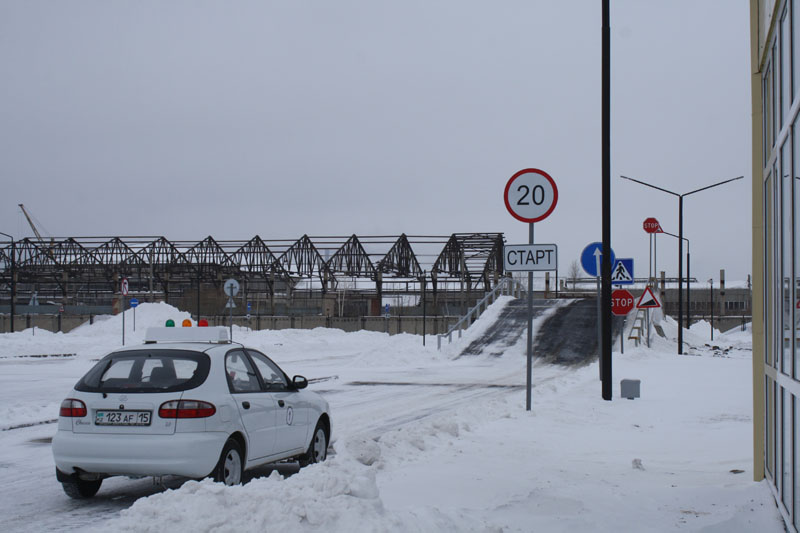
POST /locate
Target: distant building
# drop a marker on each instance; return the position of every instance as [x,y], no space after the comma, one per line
[775,83]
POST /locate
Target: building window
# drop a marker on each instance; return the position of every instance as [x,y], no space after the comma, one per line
[785,262]
[786,66]
[770,429]
[795,45]
[768,265]
[786,484]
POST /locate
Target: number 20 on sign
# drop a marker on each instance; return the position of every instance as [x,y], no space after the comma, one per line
[531,195]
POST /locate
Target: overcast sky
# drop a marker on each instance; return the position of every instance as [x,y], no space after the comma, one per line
[193,118]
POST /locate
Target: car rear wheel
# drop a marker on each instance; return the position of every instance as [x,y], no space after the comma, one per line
[81,489]
[230,466]
[318,449]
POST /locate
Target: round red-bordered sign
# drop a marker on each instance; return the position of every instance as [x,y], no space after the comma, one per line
[530,195]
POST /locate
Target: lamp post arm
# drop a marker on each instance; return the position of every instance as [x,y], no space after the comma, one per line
[710,186]
[650,185]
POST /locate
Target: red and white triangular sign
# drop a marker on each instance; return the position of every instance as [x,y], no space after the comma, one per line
[648,300]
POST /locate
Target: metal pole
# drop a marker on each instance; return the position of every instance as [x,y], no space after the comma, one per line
[424,306]
[711,281]
[529,382]
[122,305]
[680,275]
[606,171]
[13,278]
[688,286]
[599,271]
[622,337]
[13,282]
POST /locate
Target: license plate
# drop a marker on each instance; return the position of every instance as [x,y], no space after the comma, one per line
[122,418]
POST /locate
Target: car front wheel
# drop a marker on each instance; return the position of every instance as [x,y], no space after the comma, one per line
[81,489]
[230,466]
[318,449]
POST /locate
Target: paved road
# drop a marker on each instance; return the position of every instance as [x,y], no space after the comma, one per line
[567,337]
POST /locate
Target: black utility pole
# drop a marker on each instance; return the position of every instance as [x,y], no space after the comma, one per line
[680,244]
[13,278]
[688,277]
[605,307]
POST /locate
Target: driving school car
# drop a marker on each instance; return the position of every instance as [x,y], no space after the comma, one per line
[188,402]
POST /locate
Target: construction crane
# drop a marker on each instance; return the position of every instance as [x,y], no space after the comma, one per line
[33,226]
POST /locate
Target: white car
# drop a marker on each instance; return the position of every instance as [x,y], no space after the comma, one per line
[188,403]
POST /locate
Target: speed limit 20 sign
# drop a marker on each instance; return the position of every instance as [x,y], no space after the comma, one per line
[531,195]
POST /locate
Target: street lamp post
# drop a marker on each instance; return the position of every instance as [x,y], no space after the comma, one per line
[680,243]
[688,278]
[711,294]
[13,278]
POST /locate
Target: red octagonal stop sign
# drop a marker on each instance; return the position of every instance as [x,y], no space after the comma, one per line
[621,302]
[651,225]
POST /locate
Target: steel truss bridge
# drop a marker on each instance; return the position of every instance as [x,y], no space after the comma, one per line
[89,269]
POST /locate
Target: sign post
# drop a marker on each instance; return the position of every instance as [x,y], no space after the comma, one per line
[231,288]
[134,304]
[530,196]
[591,261]
[621,305]
[123,289]
[652,227]
[648,301]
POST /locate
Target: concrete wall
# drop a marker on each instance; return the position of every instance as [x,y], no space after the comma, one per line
[393,325]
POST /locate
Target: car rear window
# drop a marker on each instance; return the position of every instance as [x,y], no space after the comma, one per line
[147,371]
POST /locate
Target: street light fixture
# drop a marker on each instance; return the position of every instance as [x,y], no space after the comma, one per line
[680,243]
[13,278]
[688,277]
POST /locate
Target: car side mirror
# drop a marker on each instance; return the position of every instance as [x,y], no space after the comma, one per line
[299,382]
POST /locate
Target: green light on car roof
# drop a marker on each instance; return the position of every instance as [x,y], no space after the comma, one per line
[170,323]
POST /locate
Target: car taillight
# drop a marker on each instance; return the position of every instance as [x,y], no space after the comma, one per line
[72,408]
[186,409]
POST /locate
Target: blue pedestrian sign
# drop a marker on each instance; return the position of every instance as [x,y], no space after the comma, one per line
[622,272]
[134,302]
[590,256]
[386,311]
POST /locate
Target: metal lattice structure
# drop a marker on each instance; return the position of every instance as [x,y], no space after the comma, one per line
[472,257]
[88,269]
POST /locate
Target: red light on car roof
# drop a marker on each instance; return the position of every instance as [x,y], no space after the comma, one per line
[202,323]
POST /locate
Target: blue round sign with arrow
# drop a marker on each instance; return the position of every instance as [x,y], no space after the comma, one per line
[592,256]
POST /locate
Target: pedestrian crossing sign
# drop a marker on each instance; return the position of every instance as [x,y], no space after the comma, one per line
[622,273]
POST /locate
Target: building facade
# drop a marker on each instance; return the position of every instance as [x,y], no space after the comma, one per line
[775,84]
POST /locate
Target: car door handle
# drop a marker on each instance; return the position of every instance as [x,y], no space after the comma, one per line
[246,405]
[281,403]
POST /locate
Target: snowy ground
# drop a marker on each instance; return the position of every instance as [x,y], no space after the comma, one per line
[427,441]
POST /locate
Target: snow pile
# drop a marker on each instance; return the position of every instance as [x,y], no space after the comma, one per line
[340,494]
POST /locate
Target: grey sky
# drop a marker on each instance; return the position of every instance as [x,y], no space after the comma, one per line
[195,118]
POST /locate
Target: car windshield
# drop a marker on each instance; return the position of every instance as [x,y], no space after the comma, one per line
[147,371]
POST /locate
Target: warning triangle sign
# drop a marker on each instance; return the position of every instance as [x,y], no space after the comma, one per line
[621,274]
[648,300]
